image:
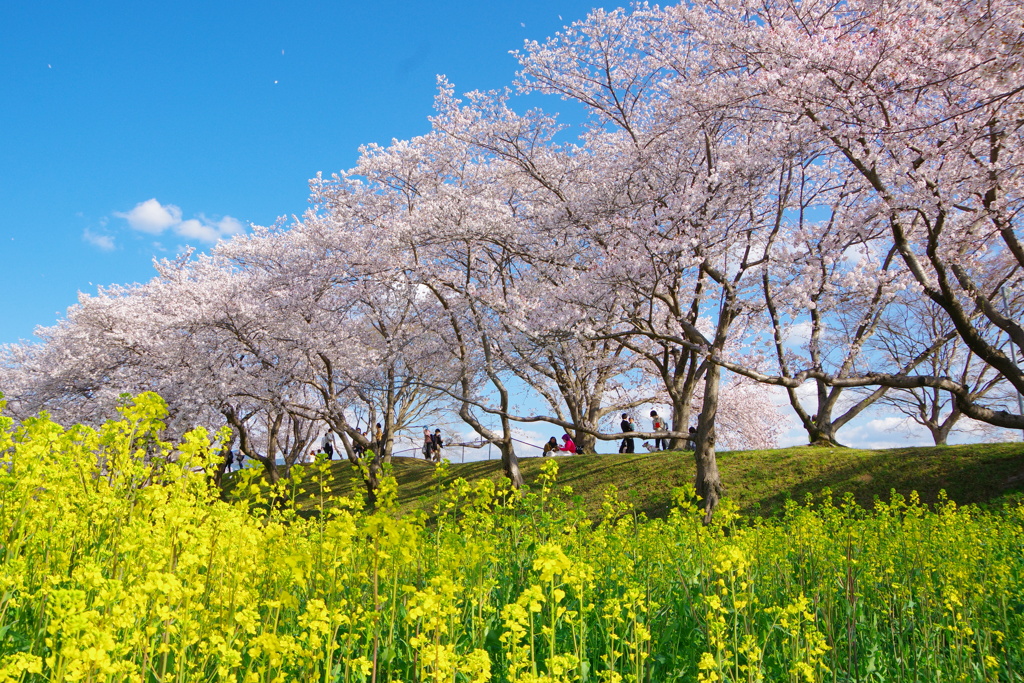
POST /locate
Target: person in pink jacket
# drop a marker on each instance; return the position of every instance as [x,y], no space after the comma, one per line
[569,446]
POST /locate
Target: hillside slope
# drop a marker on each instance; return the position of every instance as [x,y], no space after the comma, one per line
[758,481]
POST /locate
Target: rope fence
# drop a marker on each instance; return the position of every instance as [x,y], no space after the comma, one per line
[469,444]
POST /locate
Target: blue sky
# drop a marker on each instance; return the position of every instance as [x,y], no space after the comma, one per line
[218,111]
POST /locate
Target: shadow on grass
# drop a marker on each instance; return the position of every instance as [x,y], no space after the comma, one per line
[979,475]
[760,482]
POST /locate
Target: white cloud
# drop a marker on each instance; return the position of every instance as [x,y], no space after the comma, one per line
[102,242]
[890,423]
[228,226]
[154,218]
[194,229]
[890,431]
[798,334]
[151,216]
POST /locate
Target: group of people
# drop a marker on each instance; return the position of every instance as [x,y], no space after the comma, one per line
[432,445]
[658,424]
[552,447]
[433,442]
[628,445]
[375,440]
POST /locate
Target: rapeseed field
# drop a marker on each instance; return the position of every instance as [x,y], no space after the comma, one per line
[121,561]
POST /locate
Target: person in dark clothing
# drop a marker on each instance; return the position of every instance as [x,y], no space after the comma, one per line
[627,445]
[327,445]
[691,443]
[437,443]
[551,447]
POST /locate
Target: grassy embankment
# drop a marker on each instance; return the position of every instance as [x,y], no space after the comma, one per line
[760,482]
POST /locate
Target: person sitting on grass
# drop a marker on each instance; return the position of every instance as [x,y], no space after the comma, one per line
[551,447]
[569,446]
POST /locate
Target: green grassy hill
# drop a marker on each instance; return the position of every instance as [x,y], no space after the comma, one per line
[758,481]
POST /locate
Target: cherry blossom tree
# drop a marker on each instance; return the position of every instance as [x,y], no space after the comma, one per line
[451,234]
[825,295]
[748,417]
[345,324]
[921,101]
[908,332]
[654,216]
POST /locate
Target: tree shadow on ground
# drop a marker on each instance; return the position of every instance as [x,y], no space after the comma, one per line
[759,482]
[966,477]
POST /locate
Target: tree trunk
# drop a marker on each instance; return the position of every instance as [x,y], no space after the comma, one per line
[585,443]
[509,459]
[680,422]
[940,430]
[709,482]
[372,479]
[220,469]
[821,429]
[270,468]
[681,386]
[245,446]
[510,464]
[222,463]
[823,433]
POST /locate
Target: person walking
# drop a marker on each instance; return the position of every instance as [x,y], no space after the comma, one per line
[327,445]
[627,445]
[437,443]
[428,444]
[658,425]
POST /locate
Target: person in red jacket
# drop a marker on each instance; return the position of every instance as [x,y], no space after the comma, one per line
[569,446]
